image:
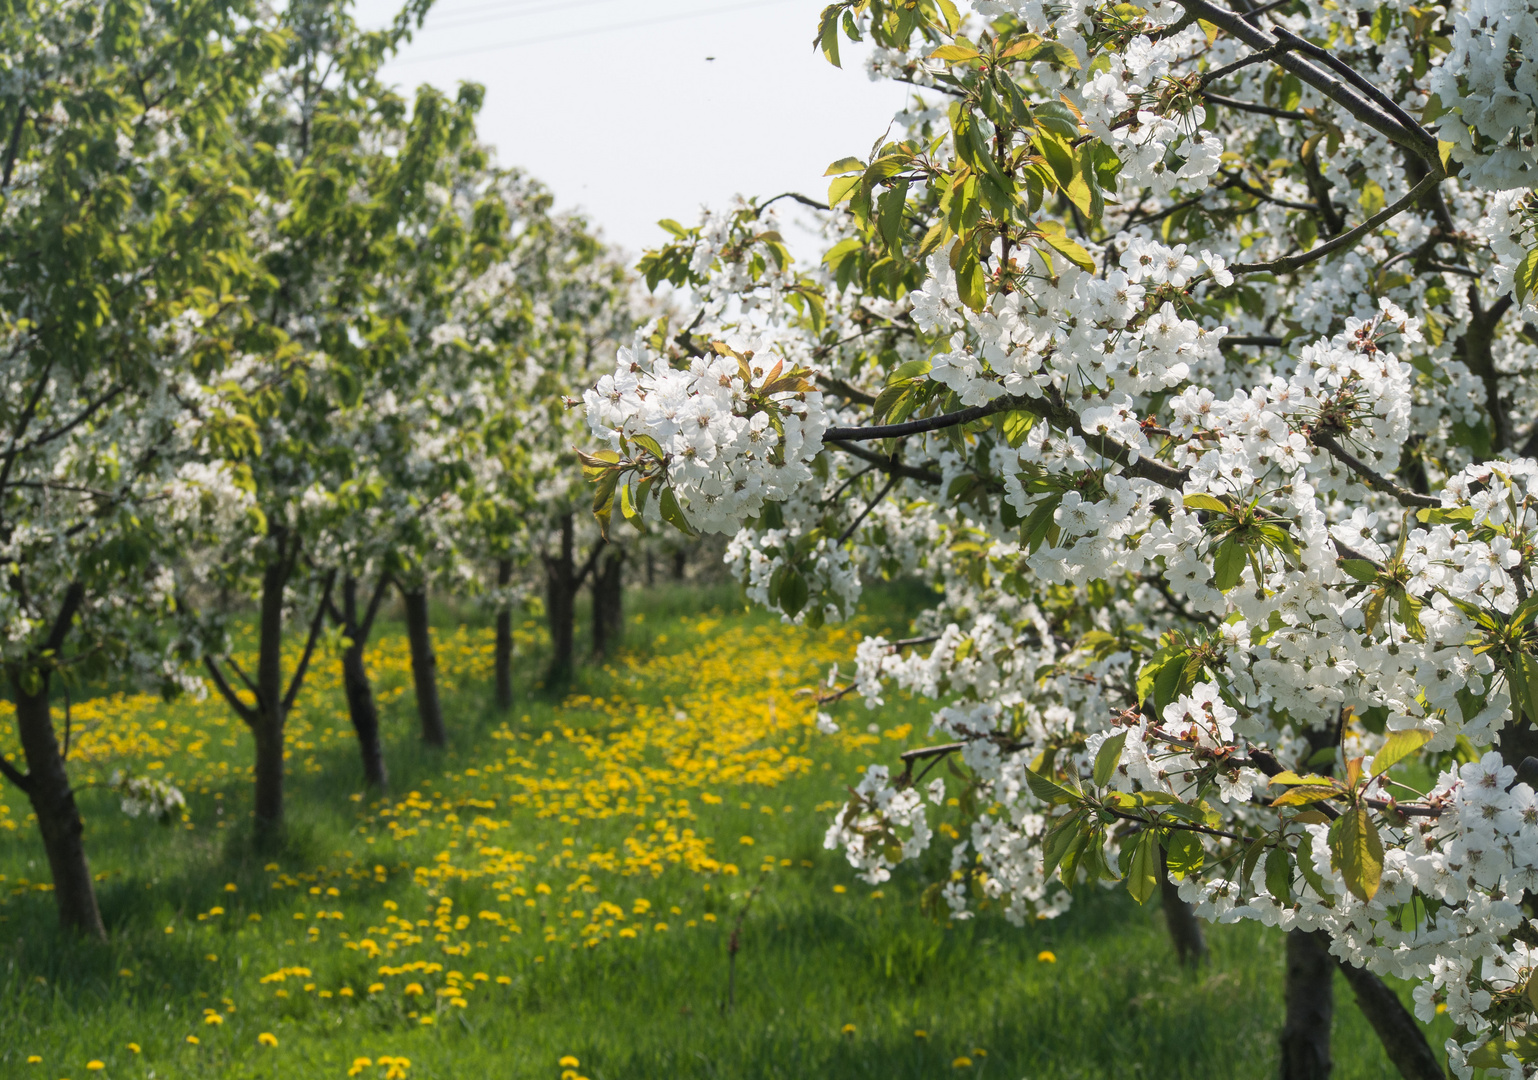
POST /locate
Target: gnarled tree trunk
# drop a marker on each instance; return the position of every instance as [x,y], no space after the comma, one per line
[609,603]
[47,785]
[1180,919]
[267,716]
[563,581]
[361,707]
[424,665]
[1401,1035]
[503,660]
[1305,1042]
[271,711]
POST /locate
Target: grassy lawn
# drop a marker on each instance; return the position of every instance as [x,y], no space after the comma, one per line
[564,882]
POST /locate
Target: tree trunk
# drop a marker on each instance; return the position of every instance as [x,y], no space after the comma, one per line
[560,605]
[58,818]
[424,666]
[1310,1007]
[504,650]
[651,569]
[609,603]
[680,561]
[1397,1029]
[361,708]
[270,714]
[1180,919]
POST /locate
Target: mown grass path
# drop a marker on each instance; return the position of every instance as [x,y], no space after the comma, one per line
[554,896]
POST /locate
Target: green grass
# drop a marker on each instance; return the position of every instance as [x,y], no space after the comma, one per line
[812,959]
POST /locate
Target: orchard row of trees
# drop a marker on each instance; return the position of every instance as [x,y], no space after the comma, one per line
[1190,350]
[272,338]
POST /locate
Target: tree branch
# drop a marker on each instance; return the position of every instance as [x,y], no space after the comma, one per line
[891,482]
[1283,49]
[309,646]
[1375,480]
[896,468]
[15,775]
[242,710]
[1287,264]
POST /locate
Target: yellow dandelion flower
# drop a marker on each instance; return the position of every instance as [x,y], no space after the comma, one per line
[839,889]
[133,1048]
[847,1029]
[962,1062]
[126,973]
[193,1039]
[568,1062]
[267,1038]
[213,1019]
[95,1066]
[374,988]
[504,980]
[1046,956]
[920,1033]
[33,1059]
[414,990]
[426,1020]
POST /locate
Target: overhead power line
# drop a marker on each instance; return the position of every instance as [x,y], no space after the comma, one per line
[589,31]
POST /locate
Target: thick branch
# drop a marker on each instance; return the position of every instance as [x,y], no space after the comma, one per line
[1283,49]
[74,596]
[1289,263]
[1375,480]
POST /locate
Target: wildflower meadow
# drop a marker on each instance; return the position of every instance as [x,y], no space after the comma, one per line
[627,879]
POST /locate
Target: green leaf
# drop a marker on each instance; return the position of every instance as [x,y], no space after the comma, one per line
[1016,425]
[1357,852]
[1360,569]
[1057,238]
[1279,873]
[1523,670]
[1108,757]
[649,444]
[1046,790]
[1306,867]
[1060,839]
[954,53]
[1526,275]
[1228,564]
[1183,853]
[1203,501]
[845,165]
[793,592]
[672,513]
[1309,793]
[1398,746]
[827,34]
[1143,870]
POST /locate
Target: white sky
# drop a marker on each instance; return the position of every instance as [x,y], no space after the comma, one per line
[613,104]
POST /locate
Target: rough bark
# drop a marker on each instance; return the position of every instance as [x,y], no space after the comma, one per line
[608,590]
[424,666]
[53,801]
[1185,929]
[267,715]
[560,605]
[1403,1039]
[361,707]
[1310,996]
[504,648]
[270,714]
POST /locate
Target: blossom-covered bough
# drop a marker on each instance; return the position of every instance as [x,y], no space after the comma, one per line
[1185,350]
[121,263]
